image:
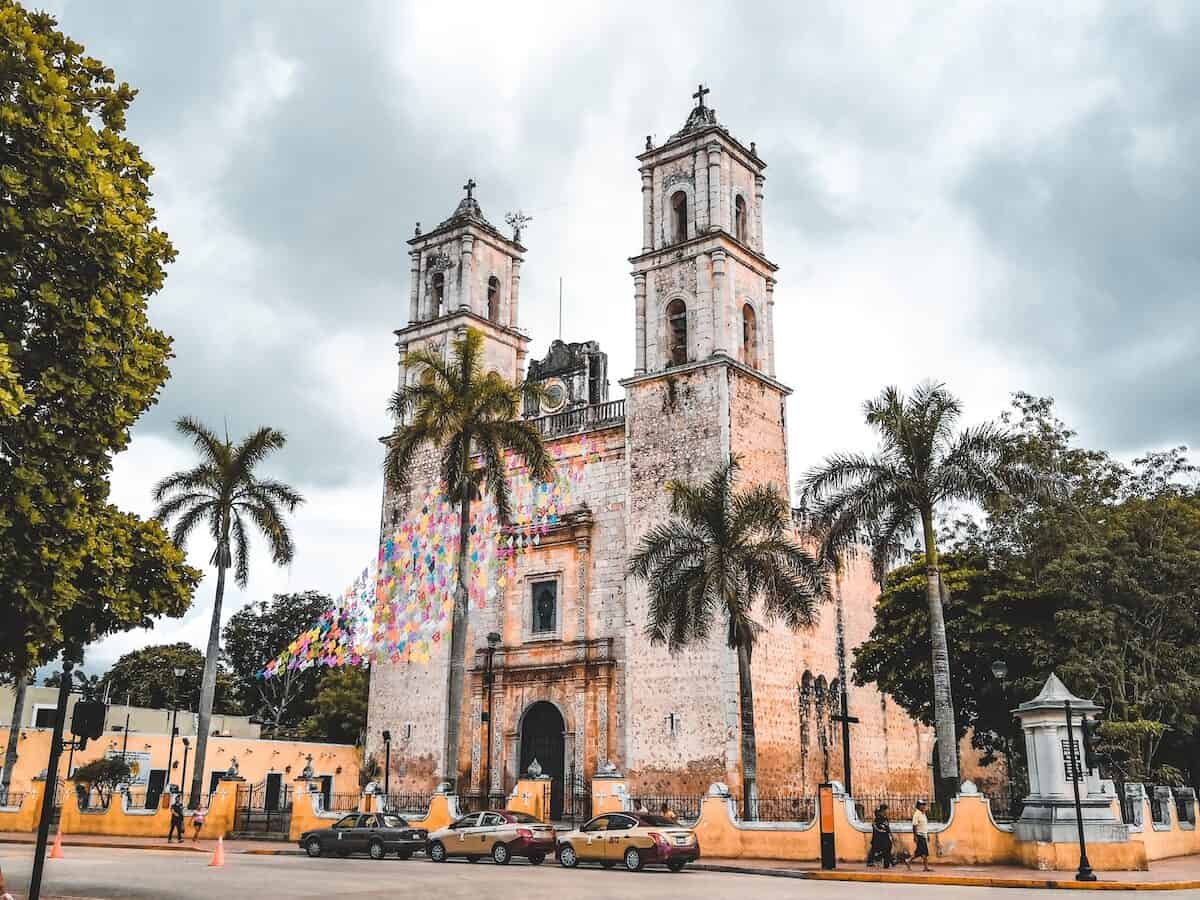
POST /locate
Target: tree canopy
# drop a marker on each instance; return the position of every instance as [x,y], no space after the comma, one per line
[1100,584]
[146,677]
[79,360]
[254,635]
[340,708]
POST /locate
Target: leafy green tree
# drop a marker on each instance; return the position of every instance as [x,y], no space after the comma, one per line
[340,713]
[1098,583]
[889,497]
[721,553]
[79,360]
[146,677]
[471,419]
[224,493]
[254,635]
[103,775]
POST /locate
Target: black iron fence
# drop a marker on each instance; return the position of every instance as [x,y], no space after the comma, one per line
[414,805]
[900,807]
[685,808]
[779,809]
[1007,802]
[342,802]
[264,809]
[11,798]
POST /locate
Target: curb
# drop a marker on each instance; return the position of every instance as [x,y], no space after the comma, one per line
[955,880]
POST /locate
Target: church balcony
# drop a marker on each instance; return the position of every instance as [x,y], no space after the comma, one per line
[584,418]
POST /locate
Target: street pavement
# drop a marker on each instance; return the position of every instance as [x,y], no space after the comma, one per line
[93,872]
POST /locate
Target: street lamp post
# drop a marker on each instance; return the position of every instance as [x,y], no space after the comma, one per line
[179,673]
[183,773]
[1085,872]
[387,764]
[1000,671]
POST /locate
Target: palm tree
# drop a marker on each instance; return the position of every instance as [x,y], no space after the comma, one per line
[473,420]
[223,492]
[722,552]
[883,500]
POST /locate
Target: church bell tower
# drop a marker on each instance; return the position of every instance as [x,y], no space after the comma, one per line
[703,388]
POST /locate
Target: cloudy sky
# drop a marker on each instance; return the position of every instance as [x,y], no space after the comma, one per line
[1000,196]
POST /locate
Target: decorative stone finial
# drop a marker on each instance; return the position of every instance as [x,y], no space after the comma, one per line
[443,788]
[469,187]
[701,90]
[535,769]
[417,230]
[969,788]
[718,789]
[649,142]
[308,767]
[517,220]
[232,771]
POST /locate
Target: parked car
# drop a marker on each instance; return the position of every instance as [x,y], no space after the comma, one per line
[376,834]
[498,833]
[632,839]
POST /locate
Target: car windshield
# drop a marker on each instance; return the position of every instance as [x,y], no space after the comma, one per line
[659,821]
[393,822]
[523,817]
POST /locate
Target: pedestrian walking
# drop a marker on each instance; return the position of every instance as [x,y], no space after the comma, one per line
[881,838]
[176,820]
[666,813]
[197,824]
[4,894]
[920,827]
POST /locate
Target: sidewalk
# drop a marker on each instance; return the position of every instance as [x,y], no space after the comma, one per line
[1182,873]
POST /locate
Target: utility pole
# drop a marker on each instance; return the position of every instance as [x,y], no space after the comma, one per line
[51,786]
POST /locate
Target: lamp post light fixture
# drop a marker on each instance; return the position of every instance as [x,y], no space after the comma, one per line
[179,673]
[187,744]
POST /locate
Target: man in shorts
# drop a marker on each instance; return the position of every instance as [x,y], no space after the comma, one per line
[920,827]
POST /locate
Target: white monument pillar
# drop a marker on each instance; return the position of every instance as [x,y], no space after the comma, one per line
[1049,811]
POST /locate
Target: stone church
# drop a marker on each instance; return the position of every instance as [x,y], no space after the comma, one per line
[559,668]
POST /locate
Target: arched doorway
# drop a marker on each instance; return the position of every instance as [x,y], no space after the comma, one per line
[542,738]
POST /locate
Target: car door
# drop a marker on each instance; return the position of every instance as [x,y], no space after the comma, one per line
[619,835]
[488,831]
[368,827]
[594,833]
[341,834]
[464,834]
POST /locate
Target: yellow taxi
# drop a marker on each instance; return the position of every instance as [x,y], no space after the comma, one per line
[632,839]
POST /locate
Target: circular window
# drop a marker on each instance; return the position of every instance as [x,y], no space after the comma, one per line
[556,397]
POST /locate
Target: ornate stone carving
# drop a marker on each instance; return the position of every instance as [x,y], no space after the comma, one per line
[438,262]
[678,178]
[680,277]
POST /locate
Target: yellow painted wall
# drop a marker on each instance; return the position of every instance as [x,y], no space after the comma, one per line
[530,796]
[255,757]
[116,820]
[26,815]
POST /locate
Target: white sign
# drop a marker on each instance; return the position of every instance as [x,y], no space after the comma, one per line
[139,765]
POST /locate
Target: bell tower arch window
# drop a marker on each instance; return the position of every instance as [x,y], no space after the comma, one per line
[437,295]
[749,353]
[677,332]
[739,218]
[679,217]
[493,299]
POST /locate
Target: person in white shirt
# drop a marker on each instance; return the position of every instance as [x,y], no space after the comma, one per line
[920,827]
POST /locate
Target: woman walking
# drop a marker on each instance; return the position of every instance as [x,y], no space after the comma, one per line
[881,838]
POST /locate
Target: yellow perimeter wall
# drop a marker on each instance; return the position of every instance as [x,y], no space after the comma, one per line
[255,757]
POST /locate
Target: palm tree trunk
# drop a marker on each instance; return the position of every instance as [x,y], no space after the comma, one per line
[208,688]
[14,733]
[943,698]
[458,646]
[749,745]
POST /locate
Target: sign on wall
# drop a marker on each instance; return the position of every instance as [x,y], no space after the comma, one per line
[139,764]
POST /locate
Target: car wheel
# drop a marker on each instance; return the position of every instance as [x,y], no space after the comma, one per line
[313,847]
[376,850]
[404,854]
[500,855]
[536,859]
[676,865]
[567,857]
[437,851]
[633,859]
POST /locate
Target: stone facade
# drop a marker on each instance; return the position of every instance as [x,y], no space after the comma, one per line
[568,672]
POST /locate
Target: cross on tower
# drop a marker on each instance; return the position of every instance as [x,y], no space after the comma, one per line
[469,186]
[701,90]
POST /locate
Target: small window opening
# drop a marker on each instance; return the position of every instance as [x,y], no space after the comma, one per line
[677,337]
[749,336]
[493,298]
[679,213]
[739,218]
[439,294]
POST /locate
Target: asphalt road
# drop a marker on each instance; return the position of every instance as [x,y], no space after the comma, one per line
[102,873]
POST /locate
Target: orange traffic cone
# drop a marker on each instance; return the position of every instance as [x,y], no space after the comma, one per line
[56,848]
[218,858]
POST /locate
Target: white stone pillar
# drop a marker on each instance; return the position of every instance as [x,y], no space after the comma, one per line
[639,323]
[714,188]
[700,170]
[768,335]
[720,338]
[758,215]
[414,293]
[514,288]
[466,273]
[647,210]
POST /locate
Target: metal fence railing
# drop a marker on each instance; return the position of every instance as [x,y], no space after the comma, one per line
[685,808]
[900,807]
[415,805]
[342,802]
[779,809]
[11,799]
